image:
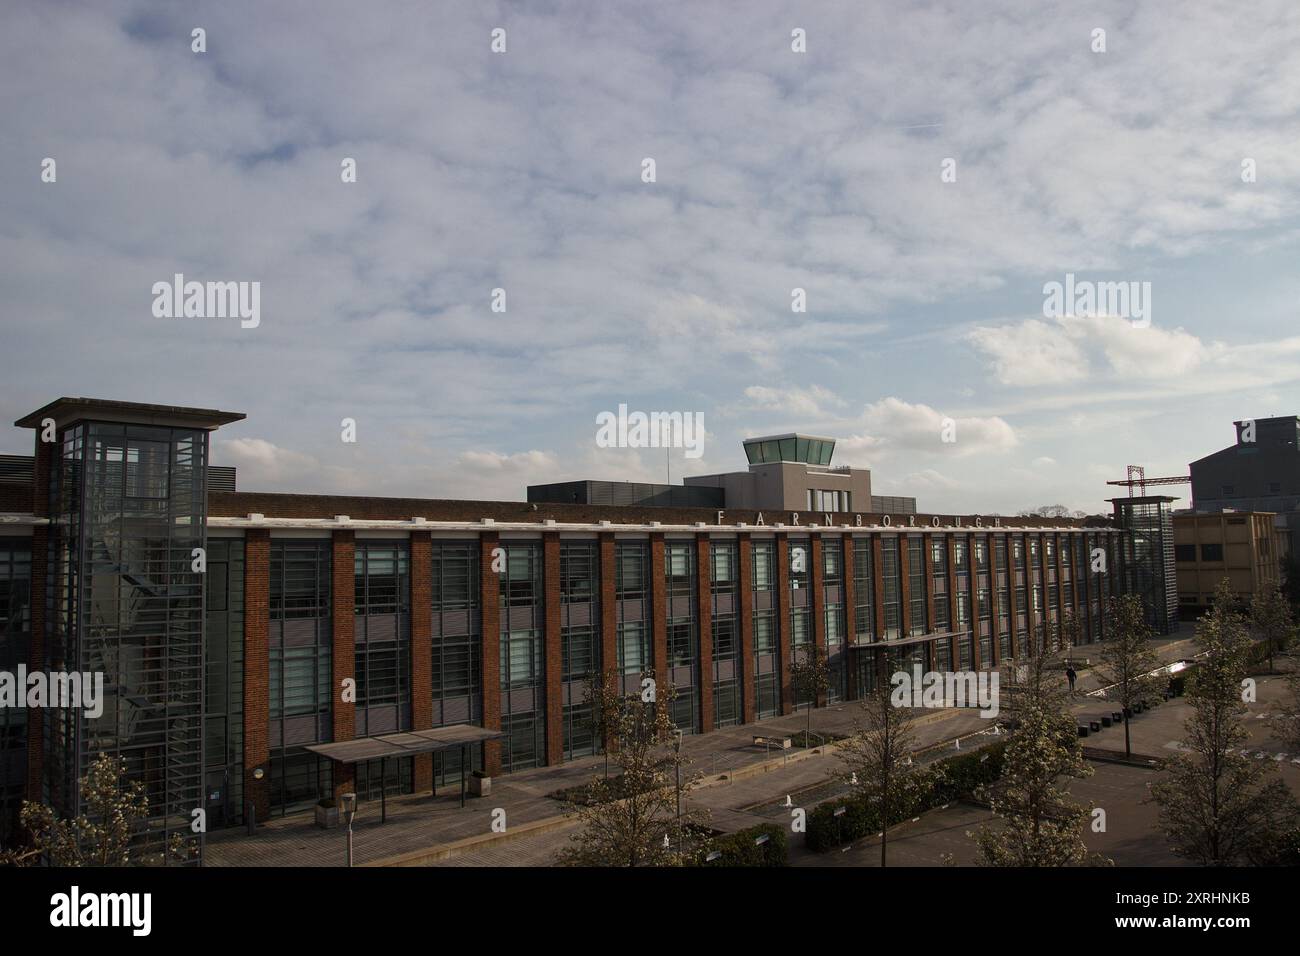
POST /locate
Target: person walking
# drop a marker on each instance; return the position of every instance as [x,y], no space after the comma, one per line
[1070,675]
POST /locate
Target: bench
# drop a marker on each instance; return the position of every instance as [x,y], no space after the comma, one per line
[784,743]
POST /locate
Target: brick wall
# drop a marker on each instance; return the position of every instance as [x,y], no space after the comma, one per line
[704,600]
[490,603]
[745,612]
[553,655]
[344,652]
[241,503]
[422,650]
[257,671]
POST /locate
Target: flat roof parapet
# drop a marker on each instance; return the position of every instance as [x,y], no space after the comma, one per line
[66,409]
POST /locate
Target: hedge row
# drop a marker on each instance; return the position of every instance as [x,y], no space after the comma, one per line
[950,779]
[738,848]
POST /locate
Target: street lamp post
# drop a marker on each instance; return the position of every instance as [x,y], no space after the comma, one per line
[677,767]
[349,811]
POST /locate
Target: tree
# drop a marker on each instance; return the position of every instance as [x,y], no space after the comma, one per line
[1069,633]
[1286,724]
[1040,824]
[1051,511]
[1270,613]
[1127,660]
[108,833]
[604,702]
[634,818]
[810,676]
[878,755]
[1217,806]
[1291,578]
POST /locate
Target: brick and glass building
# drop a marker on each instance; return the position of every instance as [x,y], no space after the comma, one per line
[442,613]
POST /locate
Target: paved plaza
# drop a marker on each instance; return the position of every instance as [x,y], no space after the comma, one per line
[743,785]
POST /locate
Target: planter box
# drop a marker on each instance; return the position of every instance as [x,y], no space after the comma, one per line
[480,786]
[327,818]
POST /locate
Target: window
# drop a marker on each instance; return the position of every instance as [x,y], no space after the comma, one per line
[523,717]
[300,579]
[764,579]
[832,558]
[579,640]
[1211,552]
[578,570]
[893,583]
[1185,553]
[864,615]
[916,585]
[939,571]
[631,564]
[828,501]
[1228,491]
[724,566]
[633,647]
[456,645]
[683,630]
[383,639]
[800,557]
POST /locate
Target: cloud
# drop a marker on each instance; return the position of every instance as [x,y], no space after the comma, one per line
[776,171]
[1031,353]
[264,466]
[530,463]
[1133,366]
[811,403]
[895,429]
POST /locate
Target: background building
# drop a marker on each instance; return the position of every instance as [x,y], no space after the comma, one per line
[1147,555]
[1262,475]
[1244,547]
[448,613]
[786,473]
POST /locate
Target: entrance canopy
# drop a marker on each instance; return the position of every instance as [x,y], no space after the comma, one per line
[405,744]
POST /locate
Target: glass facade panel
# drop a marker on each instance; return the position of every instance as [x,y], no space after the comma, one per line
[15,648]
[683,633]
[864,588]
[916,585]
[300,654]
[224,690]
[726,634]
[523,712]
[456,648]
[767,653]
[127,601]
[382,591]
[893,588]
[632,591]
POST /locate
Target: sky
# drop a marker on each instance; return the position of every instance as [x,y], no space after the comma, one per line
[774,170]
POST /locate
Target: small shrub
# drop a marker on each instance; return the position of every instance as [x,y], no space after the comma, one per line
[950,779]
[738,848]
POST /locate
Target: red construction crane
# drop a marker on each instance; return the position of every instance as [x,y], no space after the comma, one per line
[1141,480]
